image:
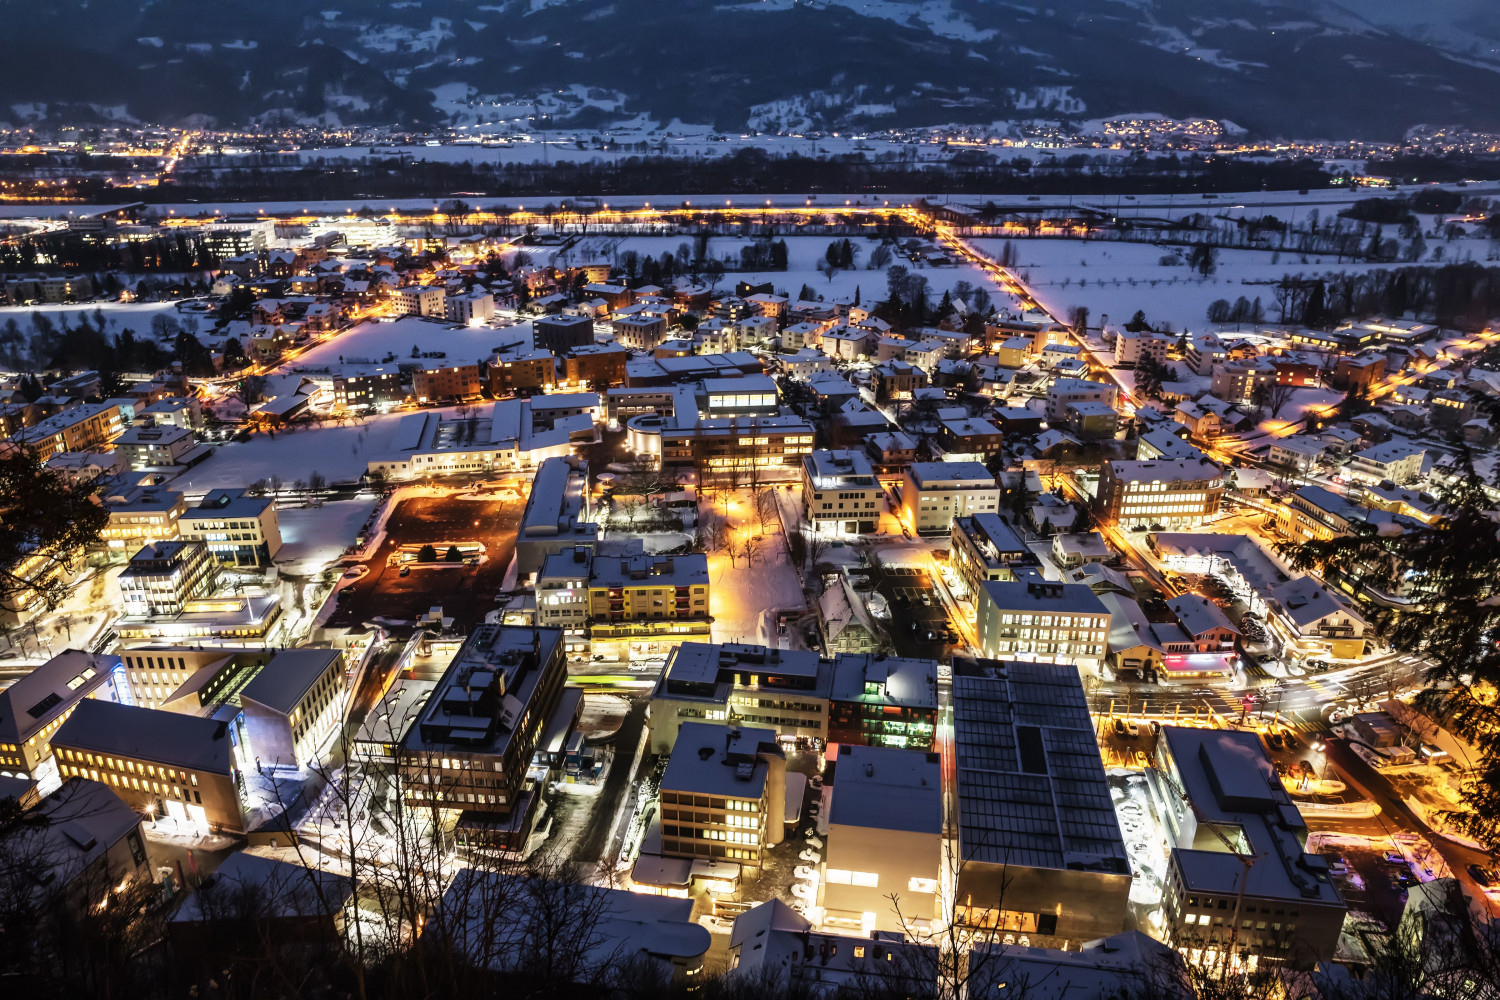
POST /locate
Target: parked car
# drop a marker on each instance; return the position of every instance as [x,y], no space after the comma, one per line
[1273,741]
[1120,728]
[1482,875]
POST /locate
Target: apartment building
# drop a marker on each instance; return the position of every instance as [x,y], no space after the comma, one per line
[35,706]
[885,838]
[473,308]
[561,334]
[840,494]
[470,748]
[164,764]
[643,605]
[239,529]
[1241,887]
[88,427]
[523,369]
[985,547]
[432,385]
[174,411]
[151,447]
[1204,351]
[1042,621]
[1312,622]
[1041,847]
[1131,347]
[1398,460]
[594,366]
[723,798]
[420,300]
[896,381]
[164,577]
[371,390]
[1172,494]
[640,332]
[140,515]
[934,493]
[1242,381]
[1068,391]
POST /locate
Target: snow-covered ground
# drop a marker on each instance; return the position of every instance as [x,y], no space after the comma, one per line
[118,316]
[1115,279]
[314,537]
[341,454]
[742,598]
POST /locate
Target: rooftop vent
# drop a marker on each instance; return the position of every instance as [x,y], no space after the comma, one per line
[744,771]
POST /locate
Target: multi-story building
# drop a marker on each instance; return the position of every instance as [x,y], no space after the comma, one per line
[151,447]
[473,308]
[294,705]
[521,370]
[164,576]
[35,706]
[594,366]
[1038,620]
[140,515]
[784,690]
[884,701]
[1174,494]
[896,381]
[470,749]
[738,449]
[155,674]
[985,547]
[969,438]
[1040,847]
[640,332]
[561,334]
[840,493]
[1242,381]
[885,839]
[934,493]
[1312,622]
[1398,460]
[723,798]
[165,764]
[238,528]
[1241,888]
[1066,391]
[88,427]
[1131,347]
[1204,350]
[373,389]
[643,605]
[1299,452]
[557,517]
[174,411]
[430,385]
[420,300]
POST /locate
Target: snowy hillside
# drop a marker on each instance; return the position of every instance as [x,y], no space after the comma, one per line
[1276,67]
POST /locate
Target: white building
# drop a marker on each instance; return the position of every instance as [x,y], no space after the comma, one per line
[934,493]
[840,494]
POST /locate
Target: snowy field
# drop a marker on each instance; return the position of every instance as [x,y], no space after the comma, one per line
[341,454]
[369,342]
[118,316]
[1116,279]
[314,537]
[803,255]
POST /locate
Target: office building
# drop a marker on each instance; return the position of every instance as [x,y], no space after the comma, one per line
[1040,849]
[140,515]
[164,764]
[883,701]
[240,529]
[1167,494]
[380,387]
[1047,622]
[471,747]
[36,705]
[840,494]
[885,838]
[294,705]
[934,493]
[1240,883]
[784,690]
[557,515]
[150,447]
[164,577]
[420,300]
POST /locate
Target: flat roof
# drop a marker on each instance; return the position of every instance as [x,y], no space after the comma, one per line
[1031,784]
[1076,598]
[149,734]
[887,788]
[228,503]
[901,680]
[923,473]
[706,757]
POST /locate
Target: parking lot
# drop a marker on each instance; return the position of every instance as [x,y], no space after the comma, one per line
[919,622]
[465,593]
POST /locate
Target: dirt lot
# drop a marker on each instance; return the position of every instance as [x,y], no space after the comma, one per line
[466,593]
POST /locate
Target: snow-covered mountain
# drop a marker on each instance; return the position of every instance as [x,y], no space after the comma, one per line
[1305,68]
